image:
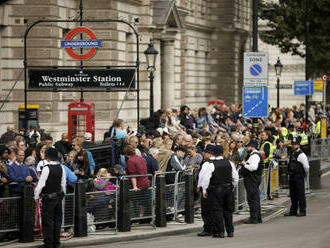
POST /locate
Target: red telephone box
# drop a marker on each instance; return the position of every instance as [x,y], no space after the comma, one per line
[81,119]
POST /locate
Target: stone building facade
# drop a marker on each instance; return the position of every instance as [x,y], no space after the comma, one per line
[200,43]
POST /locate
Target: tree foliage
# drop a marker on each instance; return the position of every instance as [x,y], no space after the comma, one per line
[287,28]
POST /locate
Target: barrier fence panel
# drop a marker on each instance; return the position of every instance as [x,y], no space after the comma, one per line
[240,196]
[102,206]
[169,191]
[283,174]
[68,210]
[142,201]
[10,214]
[320,148]
[274,179]
[264,183]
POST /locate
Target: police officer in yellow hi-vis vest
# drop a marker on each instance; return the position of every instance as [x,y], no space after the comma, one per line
[267,152]
[304,143]
[291,135]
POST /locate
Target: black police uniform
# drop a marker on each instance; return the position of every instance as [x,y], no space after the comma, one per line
[52,206]
[297,184]
[219,199]
[51,187]
[252,180]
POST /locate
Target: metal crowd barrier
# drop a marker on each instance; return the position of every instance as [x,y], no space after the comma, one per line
[142,202]
[264,184]
[274,178]
[320,148]
[240,196]
[175,193]
[102,207]
[10,214]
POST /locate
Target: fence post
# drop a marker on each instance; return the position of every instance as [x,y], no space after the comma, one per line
[160,201]
[27,215]
[189,199]
[80,218]
[124,215]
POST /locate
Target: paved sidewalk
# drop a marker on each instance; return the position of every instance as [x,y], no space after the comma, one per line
[270,210]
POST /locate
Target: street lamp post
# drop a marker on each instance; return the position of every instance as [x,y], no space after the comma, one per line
[278,70]
[151,56]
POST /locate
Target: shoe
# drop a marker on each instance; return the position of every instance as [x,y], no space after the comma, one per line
[290,214]
[230,235]
[250,221]
[204,234]
[301,214]
[218,235]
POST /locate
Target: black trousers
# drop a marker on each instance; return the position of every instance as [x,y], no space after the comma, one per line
[252,192]
[51,221]
[297,194]
[216,208]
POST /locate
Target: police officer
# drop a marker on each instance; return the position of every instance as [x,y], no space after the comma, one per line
[228,207]
[304,142]
[251,172]
[267,151]
[51,187]
[298,168]
[215,179]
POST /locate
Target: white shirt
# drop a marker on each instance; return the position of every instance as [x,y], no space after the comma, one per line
[302,158]
[42,163]
[253,162]
[43,179]
[206,173]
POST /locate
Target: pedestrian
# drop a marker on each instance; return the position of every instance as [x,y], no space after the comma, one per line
[251,172]
[51,188]
[298,168]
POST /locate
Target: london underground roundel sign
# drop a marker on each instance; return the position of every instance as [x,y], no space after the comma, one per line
[93,43]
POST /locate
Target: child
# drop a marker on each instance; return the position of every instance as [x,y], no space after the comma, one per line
[102,183]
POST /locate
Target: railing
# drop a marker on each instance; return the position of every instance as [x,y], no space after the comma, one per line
[320,148]
[10,214]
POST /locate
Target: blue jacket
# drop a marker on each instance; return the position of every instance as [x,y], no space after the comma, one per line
[90,160]
[70,176]
[18,173]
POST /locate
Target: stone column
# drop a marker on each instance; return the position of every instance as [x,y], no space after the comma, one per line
[168,87]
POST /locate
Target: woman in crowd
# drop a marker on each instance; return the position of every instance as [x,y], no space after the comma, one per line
[81,159]
[233,152]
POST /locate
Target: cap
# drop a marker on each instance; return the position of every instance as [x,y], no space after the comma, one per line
[296,141]
[218,150]
[52,154]
[210,149]
[253,143]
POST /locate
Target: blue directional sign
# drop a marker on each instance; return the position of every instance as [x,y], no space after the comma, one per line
[255,102]
[304,88]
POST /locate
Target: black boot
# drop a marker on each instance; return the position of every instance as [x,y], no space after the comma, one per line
[290,214]
[204,234]
[251,221]
[219,235]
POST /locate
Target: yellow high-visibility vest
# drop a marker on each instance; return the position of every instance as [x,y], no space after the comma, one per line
[271,151]
[318,127]
[304,139]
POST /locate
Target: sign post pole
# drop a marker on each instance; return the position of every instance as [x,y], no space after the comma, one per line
[325,79]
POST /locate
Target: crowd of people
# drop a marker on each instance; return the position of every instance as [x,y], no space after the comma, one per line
[169,140]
